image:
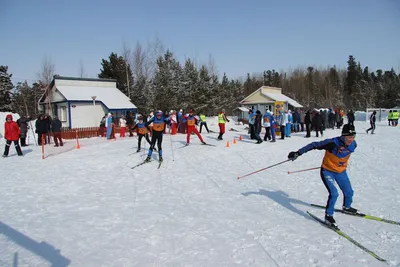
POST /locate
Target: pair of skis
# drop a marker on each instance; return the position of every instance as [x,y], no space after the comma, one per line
[144,162]
[200,144]
[343,234]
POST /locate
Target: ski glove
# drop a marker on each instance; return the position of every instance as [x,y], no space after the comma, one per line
[293,155]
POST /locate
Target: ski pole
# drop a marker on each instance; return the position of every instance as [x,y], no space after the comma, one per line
[172,147]
[240,177]
[310,169]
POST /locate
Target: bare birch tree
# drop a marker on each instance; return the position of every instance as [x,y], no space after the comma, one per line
[47,70]
[82,71]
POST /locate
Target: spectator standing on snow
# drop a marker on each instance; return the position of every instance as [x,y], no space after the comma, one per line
[307,122]
[317,123]
[350,117]
[122,125]
[267,125]
[23,127]
[257,127]
[222,119]
[11,134]
[56,128]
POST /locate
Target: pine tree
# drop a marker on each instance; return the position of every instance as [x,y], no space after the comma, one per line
[5,89]
[166,84]
[117,68]
[190,82]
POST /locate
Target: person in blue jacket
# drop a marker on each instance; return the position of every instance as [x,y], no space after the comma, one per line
[159,122]
[333,169]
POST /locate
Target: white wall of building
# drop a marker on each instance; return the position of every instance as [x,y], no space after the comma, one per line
[86,114]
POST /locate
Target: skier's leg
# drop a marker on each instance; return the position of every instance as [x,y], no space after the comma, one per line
[140,136]
[189,132]
[198,134]
[344,183]
[329,181]
[159,142]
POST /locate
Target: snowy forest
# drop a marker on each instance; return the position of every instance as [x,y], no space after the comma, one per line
[153,78]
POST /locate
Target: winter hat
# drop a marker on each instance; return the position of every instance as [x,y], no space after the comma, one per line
[348,130]
[159,113]
[191,111]
[9,116]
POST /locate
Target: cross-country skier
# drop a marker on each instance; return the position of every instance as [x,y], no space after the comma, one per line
[191,121]
[372,120]
[158,122]
[142,131]
[334,164]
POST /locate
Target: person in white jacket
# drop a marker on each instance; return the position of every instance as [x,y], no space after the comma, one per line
[122,125]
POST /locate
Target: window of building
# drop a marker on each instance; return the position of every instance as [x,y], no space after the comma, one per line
[63,113]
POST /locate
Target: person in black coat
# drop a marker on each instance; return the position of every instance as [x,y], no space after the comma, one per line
[23,127]
[41,129]
[257,127]
[307,122]
[350,117]
[318,123]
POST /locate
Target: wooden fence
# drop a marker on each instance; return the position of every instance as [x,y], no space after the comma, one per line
[84,132]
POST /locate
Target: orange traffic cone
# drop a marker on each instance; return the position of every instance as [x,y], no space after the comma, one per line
[227,143]
[240,138]
[234,140]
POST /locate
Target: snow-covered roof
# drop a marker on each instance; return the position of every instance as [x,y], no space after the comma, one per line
[111,97]
[242,109]
[282,97]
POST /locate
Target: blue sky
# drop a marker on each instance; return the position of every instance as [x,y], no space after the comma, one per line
[242,36]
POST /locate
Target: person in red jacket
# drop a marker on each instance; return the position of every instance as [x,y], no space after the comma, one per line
[191,121]
[11,134]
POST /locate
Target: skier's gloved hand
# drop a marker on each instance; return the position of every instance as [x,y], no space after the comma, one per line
[293,155]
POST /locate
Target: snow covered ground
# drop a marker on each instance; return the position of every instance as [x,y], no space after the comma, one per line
[87,207]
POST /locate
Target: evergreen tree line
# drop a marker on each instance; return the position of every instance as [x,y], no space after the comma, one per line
[167,84]
[191,86]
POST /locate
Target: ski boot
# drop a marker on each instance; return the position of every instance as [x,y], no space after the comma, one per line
[204,143]
[160,159]
[147,159]
[330,221]
[349,210]
[138,150]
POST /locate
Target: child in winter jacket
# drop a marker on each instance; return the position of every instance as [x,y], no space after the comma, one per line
[11,134]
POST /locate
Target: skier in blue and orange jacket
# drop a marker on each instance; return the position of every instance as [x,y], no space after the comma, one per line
[334,165]
[159,122]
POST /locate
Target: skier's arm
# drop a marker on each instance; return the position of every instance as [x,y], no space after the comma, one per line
[326,144]
[149,122]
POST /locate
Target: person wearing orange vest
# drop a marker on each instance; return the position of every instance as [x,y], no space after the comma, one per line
[191,121]
[333,169]
[222,119]
[142,131]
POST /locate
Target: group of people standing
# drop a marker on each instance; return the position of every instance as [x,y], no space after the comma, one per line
[286,122]
[17,132]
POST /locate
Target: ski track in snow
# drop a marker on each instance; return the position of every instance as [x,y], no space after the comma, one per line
[88,207]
